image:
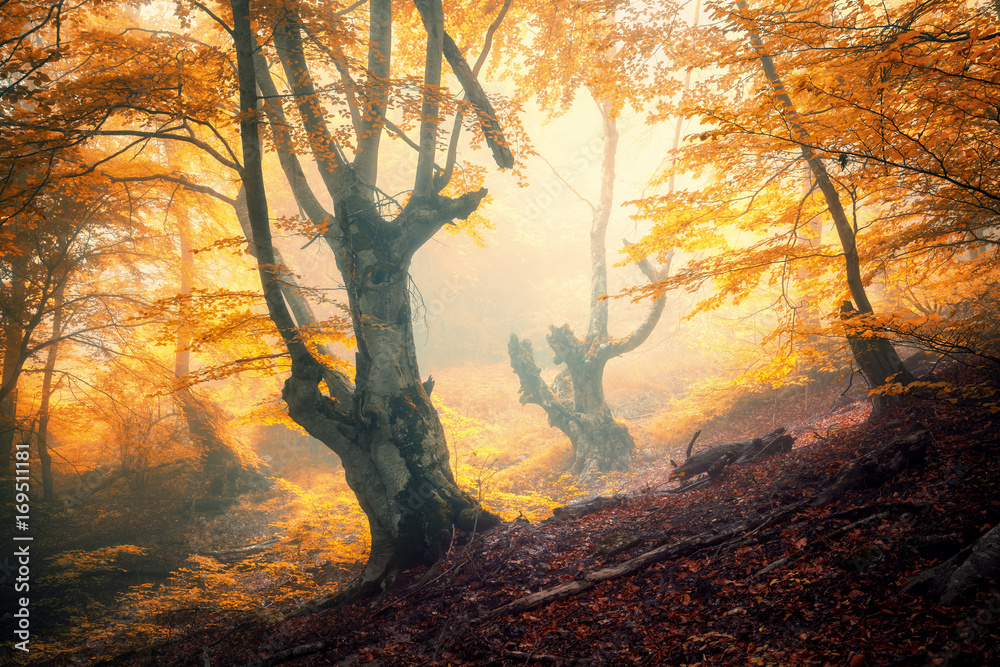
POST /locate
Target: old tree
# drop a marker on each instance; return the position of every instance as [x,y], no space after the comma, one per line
[574,51]
[320,87]
[382,425]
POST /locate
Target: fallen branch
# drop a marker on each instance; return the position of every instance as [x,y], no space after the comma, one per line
[687,454]
[243,551]
[796,555]
[872,468]
[531,657]
[680,549]
[691,485]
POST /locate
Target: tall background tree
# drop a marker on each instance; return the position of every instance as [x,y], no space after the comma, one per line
[883,109]
[564,63]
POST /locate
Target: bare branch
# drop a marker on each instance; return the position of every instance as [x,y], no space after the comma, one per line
[442,180]
[181,180]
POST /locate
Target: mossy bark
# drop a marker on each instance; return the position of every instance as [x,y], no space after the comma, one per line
[389,436]
[382,425]
[600,443]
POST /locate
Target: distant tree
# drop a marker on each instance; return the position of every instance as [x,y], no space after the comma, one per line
[579,408]
[31,48]
[48,373]
[572,52]
[74,230]
[229,471]
[891,112]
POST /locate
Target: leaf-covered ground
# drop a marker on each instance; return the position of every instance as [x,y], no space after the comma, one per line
[838,601]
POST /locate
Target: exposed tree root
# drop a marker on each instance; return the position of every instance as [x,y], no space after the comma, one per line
[948,580]
[878,466]
[796,555]
[362,588]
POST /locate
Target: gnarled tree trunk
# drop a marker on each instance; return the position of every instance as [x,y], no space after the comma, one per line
[600,443]
[382,426]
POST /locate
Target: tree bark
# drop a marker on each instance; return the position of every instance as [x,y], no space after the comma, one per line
[743,451]
[383,427]
[13,353]
[876,355]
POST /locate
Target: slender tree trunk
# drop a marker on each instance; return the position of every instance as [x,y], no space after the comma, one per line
[875,355]
[810,236]
[384,428]
[228,472]
[44,456]
[182,348]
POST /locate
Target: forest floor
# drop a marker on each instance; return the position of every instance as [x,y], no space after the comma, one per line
[694,578]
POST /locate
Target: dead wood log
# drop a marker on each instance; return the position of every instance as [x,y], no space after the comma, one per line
[716,458]
[878,466]
[577,510]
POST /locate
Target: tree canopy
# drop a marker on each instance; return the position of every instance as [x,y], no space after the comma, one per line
[222,211]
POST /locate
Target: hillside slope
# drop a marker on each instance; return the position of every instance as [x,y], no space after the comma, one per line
[800,559]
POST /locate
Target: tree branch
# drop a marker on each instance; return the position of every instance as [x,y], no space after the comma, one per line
[424,216]
[289,161]
[484,108]
[336,173]
[442,180]
[534,389]
[377,93]
[643,331]
[181,180]
[167,134]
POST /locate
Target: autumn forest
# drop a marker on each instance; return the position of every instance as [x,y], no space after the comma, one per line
[500,332]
